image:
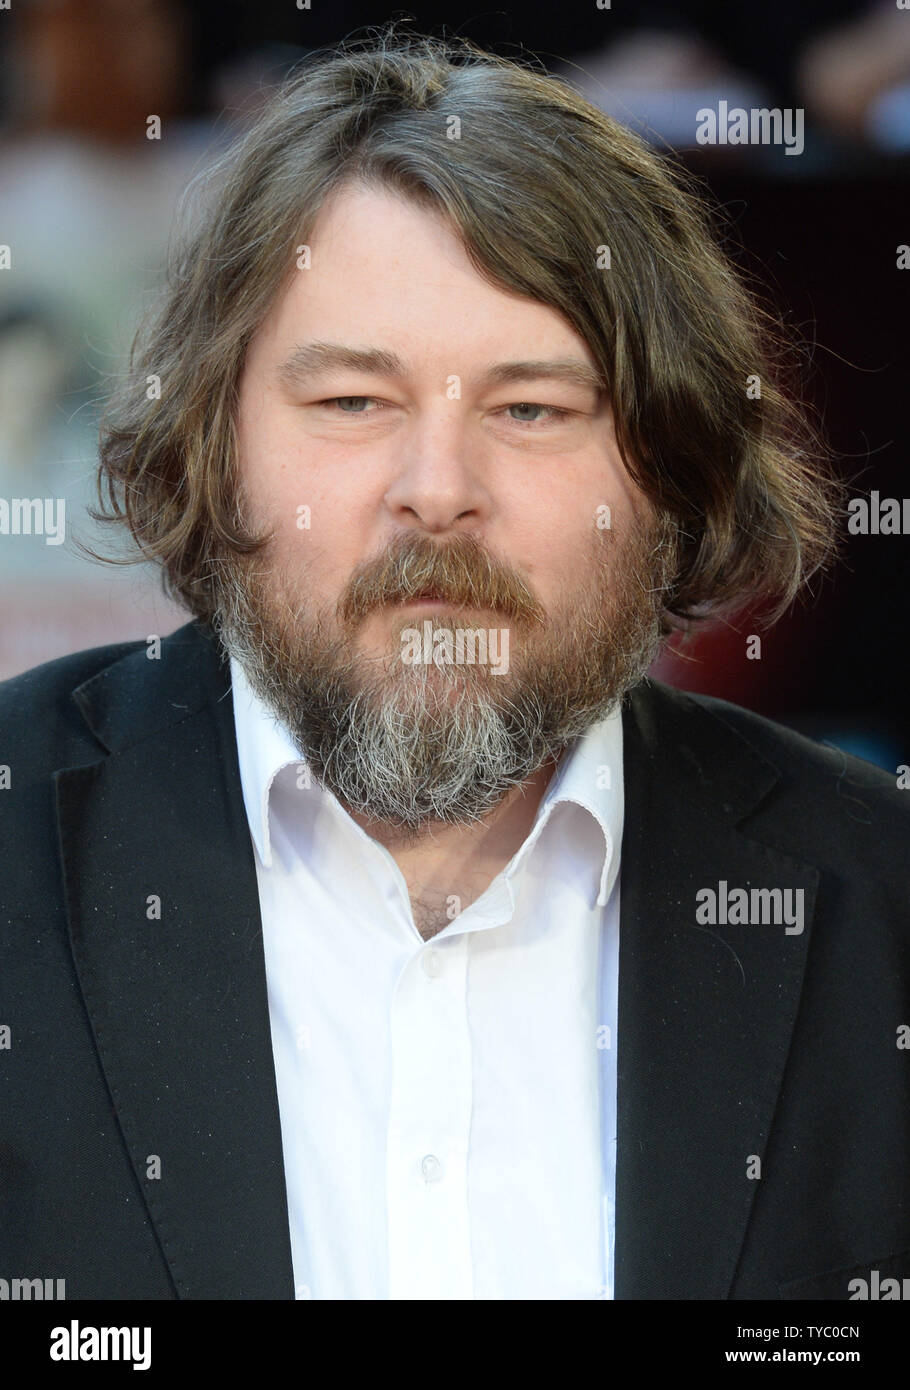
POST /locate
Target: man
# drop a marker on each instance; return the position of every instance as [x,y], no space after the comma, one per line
[384,932]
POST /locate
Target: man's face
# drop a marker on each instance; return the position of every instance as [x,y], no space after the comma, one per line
[430,474]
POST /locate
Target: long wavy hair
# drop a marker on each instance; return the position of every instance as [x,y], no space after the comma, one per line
[538,185]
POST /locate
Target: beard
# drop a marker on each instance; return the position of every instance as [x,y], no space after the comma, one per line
[439,743]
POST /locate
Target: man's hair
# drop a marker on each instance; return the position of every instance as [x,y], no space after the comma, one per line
[538,183]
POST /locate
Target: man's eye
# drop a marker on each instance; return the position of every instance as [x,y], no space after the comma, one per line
[345,400]
[354,405]
[554,412]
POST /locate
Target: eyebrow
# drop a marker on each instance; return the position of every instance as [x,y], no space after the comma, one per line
[316,359]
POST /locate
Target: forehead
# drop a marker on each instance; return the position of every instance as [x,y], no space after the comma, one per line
[385,270]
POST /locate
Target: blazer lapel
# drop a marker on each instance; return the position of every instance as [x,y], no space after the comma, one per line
[705,1012]
[176,996]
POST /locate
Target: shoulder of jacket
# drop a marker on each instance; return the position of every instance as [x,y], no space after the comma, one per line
[821,794]
[38,716]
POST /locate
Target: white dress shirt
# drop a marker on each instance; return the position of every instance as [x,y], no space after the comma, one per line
[447,1106]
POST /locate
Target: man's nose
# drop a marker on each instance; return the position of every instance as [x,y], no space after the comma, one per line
[439,476]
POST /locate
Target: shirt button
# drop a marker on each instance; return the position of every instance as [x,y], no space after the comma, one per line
[432,963]
[431,1168]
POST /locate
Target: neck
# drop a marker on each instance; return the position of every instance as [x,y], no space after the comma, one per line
[445,862]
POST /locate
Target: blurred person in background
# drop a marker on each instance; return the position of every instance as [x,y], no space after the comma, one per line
[98,142]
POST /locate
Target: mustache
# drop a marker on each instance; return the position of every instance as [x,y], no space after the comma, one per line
[461,572]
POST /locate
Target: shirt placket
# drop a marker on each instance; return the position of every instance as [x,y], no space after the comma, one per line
[429,1126]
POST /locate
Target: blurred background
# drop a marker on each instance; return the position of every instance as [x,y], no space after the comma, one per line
[87,208]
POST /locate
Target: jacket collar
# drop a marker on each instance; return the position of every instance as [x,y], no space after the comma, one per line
[165,928]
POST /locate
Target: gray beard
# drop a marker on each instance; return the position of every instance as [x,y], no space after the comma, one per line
[412,746]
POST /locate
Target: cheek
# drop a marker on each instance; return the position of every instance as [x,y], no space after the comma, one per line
[271,483]
[631,502]
[264,502]
[316,559]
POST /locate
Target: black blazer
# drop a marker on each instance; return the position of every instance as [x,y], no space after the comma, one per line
[133,1039]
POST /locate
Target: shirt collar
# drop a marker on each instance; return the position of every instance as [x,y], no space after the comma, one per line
[264,747]
[589,775]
